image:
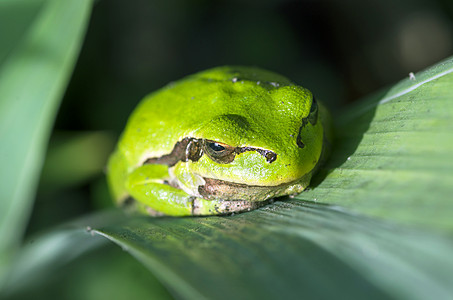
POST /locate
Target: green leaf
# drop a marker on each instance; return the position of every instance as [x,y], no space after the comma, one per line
[45,255]
[60,264]
[34,72]
[393,156]
[383,229]
[292,249]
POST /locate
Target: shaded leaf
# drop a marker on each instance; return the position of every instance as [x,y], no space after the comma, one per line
[33,77]
[289,250]
[296,249]
[392,160]
[69,262]
[393,156]
[16,16]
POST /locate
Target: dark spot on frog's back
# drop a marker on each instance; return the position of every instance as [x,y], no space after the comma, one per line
[233,119]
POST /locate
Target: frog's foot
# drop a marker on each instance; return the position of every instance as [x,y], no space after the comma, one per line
[202,207]
[156,197]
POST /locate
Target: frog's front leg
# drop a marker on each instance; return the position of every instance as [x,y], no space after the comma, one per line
[149,186]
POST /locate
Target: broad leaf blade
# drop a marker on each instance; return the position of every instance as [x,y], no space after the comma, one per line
[392,160]
[32,81]
[70,262]
[290,250]
[393,156]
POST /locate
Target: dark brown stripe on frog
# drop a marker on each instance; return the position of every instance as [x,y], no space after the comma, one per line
[221,189]
[192,149]
[312,118]
[269,155]
[184,150]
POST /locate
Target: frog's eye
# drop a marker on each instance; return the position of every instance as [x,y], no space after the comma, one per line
[219,152]
[313,115]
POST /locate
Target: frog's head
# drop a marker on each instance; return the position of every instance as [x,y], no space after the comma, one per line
[257,140]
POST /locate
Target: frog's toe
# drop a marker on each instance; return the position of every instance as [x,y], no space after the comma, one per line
[218,207]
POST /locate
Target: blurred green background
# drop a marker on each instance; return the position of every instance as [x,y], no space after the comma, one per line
[341,50]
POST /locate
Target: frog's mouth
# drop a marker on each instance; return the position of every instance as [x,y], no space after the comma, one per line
[215,189]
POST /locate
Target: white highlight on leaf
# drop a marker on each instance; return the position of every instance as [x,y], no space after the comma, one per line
[410,89]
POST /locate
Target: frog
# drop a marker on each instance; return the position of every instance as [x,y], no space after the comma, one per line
[221,141]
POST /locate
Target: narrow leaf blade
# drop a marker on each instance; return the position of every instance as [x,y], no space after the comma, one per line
[33,78]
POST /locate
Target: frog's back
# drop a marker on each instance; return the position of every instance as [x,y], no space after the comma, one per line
[229,101]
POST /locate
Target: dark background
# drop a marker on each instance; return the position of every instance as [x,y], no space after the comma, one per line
[341,50]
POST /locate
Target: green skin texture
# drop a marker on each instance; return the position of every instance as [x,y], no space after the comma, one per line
[237,106]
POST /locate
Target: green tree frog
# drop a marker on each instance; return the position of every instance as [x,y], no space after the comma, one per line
[220,141]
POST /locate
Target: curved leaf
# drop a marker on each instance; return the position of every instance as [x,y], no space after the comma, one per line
[393,156]
[392,160]
[33,76]
[289,250]
[69,262]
